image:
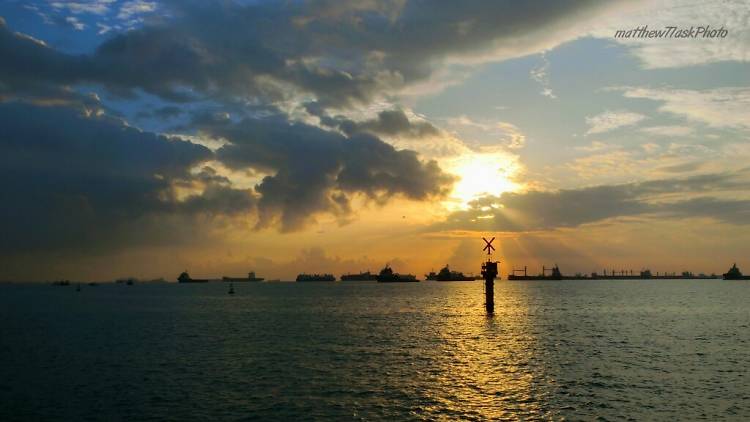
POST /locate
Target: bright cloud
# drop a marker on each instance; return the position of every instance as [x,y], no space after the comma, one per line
[610,120]
[541,75]
[668,131]
[97,7]
[720,107]
[135,7]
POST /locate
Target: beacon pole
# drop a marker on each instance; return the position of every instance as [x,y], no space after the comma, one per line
[489,272]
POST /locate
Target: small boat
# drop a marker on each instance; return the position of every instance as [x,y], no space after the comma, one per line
[388,276]
[231,288]
[78,287]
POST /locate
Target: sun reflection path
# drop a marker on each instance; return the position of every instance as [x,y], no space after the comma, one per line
[489,367]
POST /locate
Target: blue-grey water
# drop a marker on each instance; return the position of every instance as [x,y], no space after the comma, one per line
[653,350]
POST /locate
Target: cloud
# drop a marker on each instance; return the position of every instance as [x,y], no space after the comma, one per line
[75,23]
[341,55]
[315,171]
[541,75]
[548,210]
[72,180]
[132,8]
[164,112]
[389,123]
[612,163]
[500,133]
[733,15]
[611,120]
[97,7]
[720,107]
[669,131]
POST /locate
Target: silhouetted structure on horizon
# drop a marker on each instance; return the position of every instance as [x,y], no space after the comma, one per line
[445,274]
[388,276]
[185,278]
[365,276]
[315,277]
[250,277]
[554,273]
[734,273]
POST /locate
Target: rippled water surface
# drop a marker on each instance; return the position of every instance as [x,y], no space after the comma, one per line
[656,350]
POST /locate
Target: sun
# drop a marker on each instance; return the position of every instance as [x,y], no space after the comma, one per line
[481,174]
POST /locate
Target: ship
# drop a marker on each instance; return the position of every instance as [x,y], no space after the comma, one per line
[315,277]
[185,278]
[445,274]
[126,280]
[735,274]
[646,274]
[365,276]
[250,277]
[554,274]
[388,276]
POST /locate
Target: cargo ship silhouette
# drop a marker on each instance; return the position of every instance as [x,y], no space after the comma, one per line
[735,274]
[554,273]
[315,277]
[445,274]
[365,276]
[388,276]
[250,277]
[185,278]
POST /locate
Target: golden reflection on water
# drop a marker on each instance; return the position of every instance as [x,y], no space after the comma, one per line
[486,367]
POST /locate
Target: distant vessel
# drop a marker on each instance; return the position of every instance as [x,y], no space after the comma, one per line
[388,276]
[445,274]
[185,278]
[735,274]
[128,280]
[61,283]
[250,277]
[547,274]
[365,276]
[78,287]
[231,288]
[315,277]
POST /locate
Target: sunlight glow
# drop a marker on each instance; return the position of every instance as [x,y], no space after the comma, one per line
[483,173]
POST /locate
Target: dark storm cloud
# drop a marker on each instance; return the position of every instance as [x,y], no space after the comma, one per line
[315,170]
[163,113]
[70,179]
[223,53]
[387,123]
[29,67]
[544,210]
[340,53]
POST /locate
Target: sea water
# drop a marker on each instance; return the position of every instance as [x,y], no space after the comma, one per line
[627,349]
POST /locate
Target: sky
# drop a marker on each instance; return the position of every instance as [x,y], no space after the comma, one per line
[144,138]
